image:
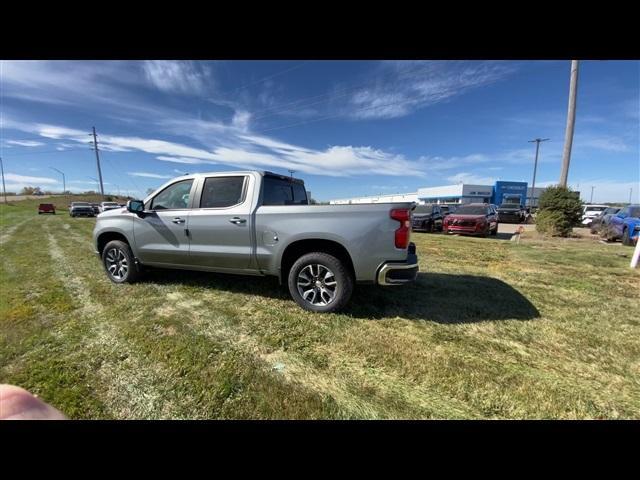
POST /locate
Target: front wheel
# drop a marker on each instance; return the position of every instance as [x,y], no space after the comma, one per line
[119,262]
[319,282]
[626,238]
[494,232]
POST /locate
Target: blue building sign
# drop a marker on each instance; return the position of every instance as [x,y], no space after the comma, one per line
[509,192]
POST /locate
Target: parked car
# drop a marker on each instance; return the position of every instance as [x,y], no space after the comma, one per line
[95,207]
[81,209]
[601,221]
[589,212]
[427,218]
[104,206]
[625,225]
[46,208]
[512,213]
[260,223]
[472,219]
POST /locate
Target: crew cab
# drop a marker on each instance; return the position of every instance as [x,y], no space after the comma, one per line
[472,219]
[260,223]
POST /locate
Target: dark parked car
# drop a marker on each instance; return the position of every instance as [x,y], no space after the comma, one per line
[512,213]
[472,219]
[601,221]
[96,208]
[46,208]
[78,209]
[427,218]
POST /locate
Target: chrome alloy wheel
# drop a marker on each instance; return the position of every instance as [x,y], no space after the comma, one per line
[317,284]
[116,263]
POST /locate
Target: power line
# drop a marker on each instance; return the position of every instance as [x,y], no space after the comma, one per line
[266,78]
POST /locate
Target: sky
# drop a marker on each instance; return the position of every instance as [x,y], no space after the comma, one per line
[348,128]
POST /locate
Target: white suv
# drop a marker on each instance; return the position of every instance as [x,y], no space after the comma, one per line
[104,206]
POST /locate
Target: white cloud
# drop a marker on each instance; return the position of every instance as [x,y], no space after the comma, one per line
[148,175]
[177,76]
[464,177]
[607,143]
[187,160]
[25,143]
[407,86]
[23,179]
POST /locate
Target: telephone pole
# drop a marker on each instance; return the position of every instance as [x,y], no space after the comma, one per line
[4,190]
[630,192]
[95,147]
[571,119]
[535,167]
[591,199]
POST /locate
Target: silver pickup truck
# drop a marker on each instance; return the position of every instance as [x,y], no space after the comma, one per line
[260,223]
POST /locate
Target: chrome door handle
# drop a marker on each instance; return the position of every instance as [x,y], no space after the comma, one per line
[178,220]
[238,220]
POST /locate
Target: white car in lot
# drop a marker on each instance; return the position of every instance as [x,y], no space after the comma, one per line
[589,212]
[104,206]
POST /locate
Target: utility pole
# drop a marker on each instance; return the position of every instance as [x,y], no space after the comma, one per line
[95,147]
[64,183]
[630,192]
[535,167]
[571,119]
[591,200]
[4,190]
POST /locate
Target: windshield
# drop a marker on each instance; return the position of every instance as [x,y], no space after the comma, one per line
[611,210]
[80,204]
[596,209]
[110,204]
[422,209]
[634,211]
[470,210]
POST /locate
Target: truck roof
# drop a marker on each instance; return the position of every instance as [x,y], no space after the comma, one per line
[241,172]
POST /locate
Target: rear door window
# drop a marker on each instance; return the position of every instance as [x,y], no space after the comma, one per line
[222,192]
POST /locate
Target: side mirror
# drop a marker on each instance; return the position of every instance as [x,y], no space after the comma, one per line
[135,206]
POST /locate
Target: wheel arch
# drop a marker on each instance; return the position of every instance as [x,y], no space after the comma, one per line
[298,248]
[106,237]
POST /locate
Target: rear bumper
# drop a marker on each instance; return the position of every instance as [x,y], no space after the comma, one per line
[398,273]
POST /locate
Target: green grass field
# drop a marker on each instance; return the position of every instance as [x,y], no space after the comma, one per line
[491,329]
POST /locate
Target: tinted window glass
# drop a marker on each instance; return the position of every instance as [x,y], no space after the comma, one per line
[634,211]
[220,192]
[422,209]
[173,197]
[279,191]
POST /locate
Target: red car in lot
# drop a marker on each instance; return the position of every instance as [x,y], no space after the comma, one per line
[472,219]
[46,208]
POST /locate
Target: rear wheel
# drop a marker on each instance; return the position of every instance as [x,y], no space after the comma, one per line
[320,282]
[626,238]
[429,227]
[119,262]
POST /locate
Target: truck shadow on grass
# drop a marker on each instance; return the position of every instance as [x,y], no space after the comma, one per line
[437,297]
[444,298]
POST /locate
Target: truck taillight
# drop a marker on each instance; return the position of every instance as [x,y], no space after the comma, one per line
[402,233]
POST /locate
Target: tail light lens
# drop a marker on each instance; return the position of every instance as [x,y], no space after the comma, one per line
[404,231]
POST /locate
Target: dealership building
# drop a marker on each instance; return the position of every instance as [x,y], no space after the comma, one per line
[457,194]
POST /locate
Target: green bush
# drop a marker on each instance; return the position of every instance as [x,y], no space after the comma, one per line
[559,209]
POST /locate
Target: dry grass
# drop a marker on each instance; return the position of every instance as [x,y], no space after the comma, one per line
[491,329]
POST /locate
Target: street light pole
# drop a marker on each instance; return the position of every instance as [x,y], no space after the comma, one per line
[64,183]
[4,190]
[535,168]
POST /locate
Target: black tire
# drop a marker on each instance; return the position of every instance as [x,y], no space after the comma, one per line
[429,227]
[119,253]
[626,238]
[495,231]
[339,272]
